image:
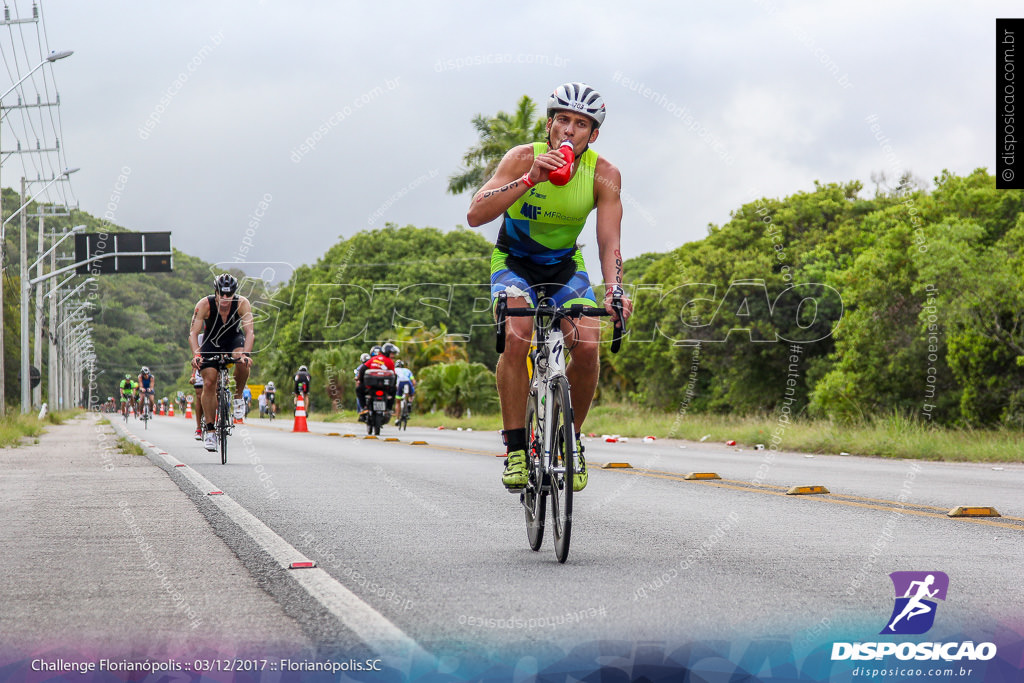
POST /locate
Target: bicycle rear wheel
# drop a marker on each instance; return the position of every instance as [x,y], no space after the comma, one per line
[563,446]
[534,499]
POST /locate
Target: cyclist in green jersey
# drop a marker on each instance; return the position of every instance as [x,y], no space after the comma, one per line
[125,390]
[537,245]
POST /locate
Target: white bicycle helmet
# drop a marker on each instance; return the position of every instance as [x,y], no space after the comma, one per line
[580,98]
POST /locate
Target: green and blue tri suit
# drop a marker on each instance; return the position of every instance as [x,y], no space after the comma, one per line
[537,241]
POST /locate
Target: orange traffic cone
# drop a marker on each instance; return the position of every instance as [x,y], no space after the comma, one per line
[300,415]
[188,410]
[163,410]
[171,413]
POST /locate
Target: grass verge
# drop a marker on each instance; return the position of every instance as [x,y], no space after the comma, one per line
[129,447]
[14,427]
[894,436]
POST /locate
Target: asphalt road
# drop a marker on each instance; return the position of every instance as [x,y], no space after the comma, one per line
[427,537]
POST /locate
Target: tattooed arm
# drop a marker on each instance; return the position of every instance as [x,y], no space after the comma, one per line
[508,183]
[607,185]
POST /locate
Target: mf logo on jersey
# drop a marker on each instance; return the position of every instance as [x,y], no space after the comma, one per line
[916,595]
[530,211]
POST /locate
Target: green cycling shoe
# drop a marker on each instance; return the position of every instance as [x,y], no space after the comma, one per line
[579,475]
[515,475]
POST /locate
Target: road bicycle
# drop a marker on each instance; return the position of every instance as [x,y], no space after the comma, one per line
[225,415]
[551,449]
[146,413]
[404,410]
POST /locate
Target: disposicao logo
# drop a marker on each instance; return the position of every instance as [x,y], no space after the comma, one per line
[916,595]
[913,614]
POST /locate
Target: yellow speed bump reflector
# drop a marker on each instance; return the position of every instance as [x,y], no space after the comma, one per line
[418,443]
[332,434]
[391,438]
[975,511]
[370,436]
[806,490]
[701,475]
[348,436]
[616,465]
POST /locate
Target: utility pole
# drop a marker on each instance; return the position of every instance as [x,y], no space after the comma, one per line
[23,270]
[3,237]
[52,373]
[37,349]
[52,57]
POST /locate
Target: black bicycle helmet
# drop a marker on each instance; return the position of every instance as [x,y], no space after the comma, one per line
[226,284]
[375,351]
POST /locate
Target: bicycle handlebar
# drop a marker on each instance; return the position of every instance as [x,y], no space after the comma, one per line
[575,311]
[221,359]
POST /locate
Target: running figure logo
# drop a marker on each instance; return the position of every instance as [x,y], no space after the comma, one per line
[914,612]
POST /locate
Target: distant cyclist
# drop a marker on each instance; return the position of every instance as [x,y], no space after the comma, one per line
[225,320]
[302,382]
[135,396]
[357,374]
[126,394]
[147,386]
[537,244]
[406,381]
[269,397]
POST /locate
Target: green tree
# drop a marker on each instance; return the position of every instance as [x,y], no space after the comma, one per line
[423,288]
[498,134]
[456,387]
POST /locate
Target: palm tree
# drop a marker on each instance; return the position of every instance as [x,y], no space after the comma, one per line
[422,346]
[456,387]
[498,135]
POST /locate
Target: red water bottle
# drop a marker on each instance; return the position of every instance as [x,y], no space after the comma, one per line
[560,176]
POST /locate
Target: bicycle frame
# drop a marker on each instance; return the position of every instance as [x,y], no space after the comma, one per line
[549,364]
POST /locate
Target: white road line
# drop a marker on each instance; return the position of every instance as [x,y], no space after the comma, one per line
[368,624]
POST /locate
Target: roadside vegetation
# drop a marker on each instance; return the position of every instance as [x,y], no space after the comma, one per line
[895,436]
[15,426]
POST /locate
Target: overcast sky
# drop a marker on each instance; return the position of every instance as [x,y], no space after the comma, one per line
[205,107]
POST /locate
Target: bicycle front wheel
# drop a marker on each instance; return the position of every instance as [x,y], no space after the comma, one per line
[534,498]
[222,426]
[563,446]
